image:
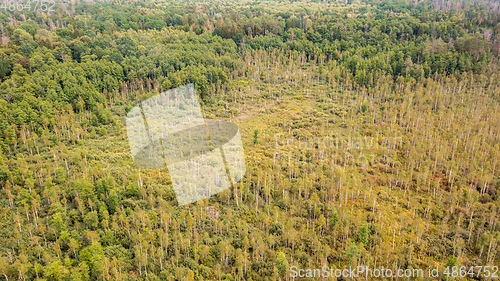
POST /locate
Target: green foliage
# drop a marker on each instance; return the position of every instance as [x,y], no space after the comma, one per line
[84,189]
[55,271]
[364,234]
[281,263]
[81,272]
[113,201]
[103,131]
[364,106]
[93,256]
[335,217]
[352,252]
[387,111]
[451,262]
[58,222]
[133,189]
[91,220]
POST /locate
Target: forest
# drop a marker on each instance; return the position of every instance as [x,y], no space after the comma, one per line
[370,129]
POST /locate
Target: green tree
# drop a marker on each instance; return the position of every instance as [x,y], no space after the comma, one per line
[352,252]
[364,234]
[91,220]
[84,189]
[55,270]
[334,217]
[103,131]
[365,105]
[113,201]
[281,263]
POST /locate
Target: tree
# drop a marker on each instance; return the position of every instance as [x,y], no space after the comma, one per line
[4,267]
[127,46]
[364,106]
[91,220]
[92,257]
[352,252]
[5,66]
[84,189]
[103,131]
[55,270]
[334,217]
[281,263]
[113,201]
[364,234]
